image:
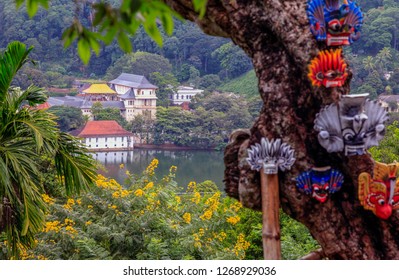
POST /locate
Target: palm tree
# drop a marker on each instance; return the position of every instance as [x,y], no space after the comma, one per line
[383,58]
[25,134]
[369,64]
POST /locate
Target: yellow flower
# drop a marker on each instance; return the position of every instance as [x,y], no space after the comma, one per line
[196,198]
[111,206]
[116,194]
[222,236]
[48,199]
[68,222]
[187,217]
[236,206]
[233,220]
[71,230]
[201,232]
[52,226]
[138,192]
[172,169]
[149,186]
[151,167]
[192,186]
[207,215]
[178,199]
[241,245]
[89,206]
[79,201]
[88,223]
[121,166]
[69,204]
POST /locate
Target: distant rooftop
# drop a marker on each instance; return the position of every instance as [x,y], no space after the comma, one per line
[102,128]
[133,81]
[389,98]
[99,89]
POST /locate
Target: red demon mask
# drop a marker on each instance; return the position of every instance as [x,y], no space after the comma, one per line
[328,69]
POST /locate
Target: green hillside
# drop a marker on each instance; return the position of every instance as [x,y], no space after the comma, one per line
[246,84]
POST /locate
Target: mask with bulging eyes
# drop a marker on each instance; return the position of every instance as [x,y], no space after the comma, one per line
[380,192]
[336,22]
[328,69]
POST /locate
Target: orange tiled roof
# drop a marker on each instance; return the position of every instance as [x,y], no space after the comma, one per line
[103,128]
[43,106]
[99,89]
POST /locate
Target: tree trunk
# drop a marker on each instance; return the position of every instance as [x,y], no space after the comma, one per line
[275,35]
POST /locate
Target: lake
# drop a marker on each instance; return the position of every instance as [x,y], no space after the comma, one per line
[192,165]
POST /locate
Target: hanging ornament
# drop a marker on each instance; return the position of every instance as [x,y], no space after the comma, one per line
[337,24]
[320,182]
[353,125]
[328,69]
[380,193]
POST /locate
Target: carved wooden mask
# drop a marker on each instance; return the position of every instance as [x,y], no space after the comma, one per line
[334,21]
[380,193]
[353,125]
[320,182]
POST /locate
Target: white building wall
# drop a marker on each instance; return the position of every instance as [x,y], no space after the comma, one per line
[119,142]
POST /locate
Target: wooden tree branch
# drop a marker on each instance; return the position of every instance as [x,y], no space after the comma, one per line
[315,255]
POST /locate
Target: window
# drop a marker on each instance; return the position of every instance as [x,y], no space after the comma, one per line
[106,139]
[96,140]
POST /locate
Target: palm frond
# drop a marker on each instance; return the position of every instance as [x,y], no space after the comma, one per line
[14,57]
[73,163]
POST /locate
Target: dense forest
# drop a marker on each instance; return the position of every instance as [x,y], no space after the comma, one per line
[188,57]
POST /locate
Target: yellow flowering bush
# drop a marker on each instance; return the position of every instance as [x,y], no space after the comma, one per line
[148,219]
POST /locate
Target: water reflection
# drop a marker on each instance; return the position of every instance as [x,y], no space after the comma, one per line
[191,165]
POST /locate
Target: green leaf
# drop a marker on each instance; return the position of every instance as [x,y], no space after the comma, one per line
[95,45]
[84,50]
[154,33]
[32,6]
[69,35]
[135,6]
[124,42]
[167,23]
[200,6]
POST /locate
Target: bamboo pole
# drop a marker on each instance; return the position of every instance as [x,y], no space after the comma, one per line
[270,216]
[268,157]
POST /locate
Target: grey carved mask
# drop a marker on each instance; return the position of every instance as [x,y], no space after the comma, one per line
[271,156]
[352,126]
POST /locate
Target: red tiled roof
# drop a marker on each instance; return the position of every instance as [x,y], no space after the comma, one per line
[103,128]
[43,106]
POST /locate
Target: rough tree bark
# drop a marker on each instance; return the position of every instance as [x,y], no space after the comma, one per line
[275,35]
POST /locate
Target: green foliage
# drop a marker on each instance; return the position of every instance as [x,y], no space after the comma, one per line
[140,63]
[25,134]
[233,60]
[108,114]
[246,84]
[166,84]
[207,126]
[388,149]
[68,118]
